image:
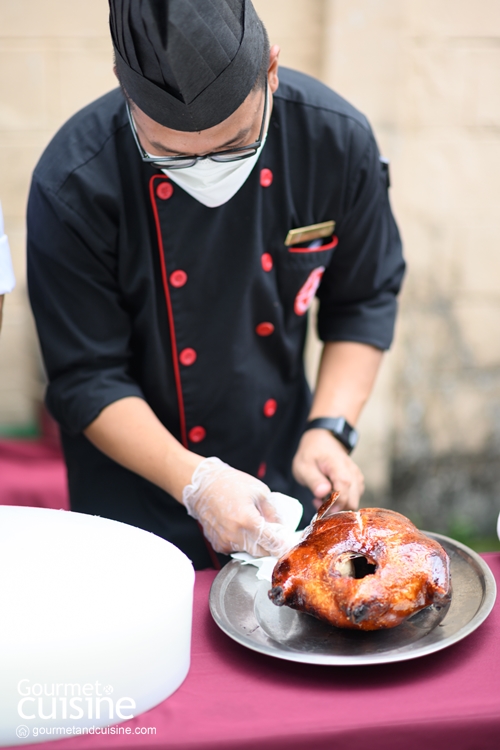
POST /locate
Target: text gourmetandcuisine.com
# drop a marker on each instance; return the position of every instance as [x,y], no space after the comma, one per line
[24,731]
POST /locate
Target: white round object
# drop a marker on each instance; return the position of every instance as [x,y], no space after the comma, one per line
[95,625]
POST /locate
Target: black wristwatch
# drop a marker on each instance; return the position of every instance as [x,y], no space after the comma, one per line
[340,429]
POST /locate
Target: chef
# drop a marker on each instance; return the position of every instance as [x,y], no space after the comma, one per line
[7,280]
[179,229]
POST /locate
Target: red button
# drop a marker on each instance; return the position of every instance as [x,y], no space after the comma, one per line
[197,434]
[267,262]
[178,278]
[261,472]
[264,329]
[270,407]
[266,177]
[187,357]
[165,190]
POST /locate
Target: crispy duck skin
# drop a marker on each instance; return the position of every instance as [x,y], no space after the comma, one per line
[364,570]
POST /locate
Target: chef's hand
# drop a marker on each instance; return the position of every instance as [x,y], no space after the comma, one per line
[322,464]
[234,510]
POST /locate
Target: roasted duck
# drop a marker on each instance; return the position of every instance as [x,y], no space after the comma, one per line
[364,570]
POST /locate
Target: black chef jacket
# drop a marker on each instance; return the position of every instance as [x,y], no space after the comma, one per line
[140,290]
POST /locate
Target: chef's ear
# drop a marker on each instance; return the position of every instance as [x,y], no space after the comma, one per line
[272,71]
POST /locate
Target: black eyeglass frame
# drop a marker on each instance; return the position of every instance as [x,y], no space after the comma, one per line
[173,162]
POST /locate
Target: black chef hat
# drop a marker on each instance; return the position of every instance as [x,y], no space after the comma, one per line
[188,64]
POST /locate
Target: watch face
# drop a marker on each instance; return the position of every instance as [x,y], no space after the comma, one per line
[349,434]
[339,428]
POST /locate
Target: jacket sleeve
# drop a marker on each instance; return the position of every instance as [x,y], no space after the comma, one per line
[83,326]
[359,288]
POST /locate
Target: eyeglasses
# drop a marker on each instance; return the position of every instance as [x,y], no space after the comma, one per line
[182,162]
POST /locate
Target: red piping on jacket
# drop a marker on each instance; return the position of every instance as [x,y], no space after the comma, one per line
[173,343]
[173,340]
[319,249]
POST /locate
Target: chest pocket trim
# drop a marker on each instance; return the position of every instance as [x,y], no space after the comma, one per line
[321,248]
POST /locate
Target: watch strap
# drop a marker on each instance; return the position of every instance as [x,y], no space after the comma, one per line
[339,428]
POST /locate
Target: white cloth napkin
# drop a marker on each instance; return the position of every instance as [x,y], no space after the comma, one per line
[290,512]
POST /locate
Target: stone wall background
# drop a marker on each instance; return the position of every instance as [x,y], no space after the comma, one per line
[427,74]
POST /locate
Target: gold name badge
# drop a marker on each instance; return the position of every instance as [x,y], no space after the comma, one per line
[307,234]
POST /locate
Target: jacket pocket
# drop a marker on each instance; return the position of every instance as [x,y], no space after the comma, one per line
[313,248]
[306,257]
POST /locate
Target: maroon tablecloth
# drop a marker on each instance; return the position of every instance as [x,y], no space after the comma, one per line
[32,472]
[235,699]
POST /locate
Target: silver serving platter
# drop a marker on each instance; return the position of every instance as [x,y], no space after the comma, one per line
[241,608]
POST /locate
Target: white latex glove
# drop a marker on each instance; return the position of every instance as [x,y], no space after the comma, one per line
[234,510]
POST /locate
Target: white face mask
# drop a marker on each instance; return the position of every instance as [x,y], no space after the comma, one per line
[214,183]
